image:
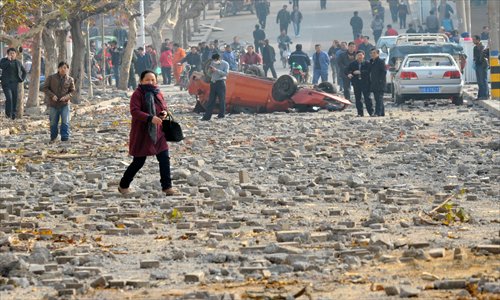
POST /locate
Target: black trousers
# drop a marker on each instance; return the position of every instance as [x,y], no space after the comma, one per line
[217,90]
[365,92]
[402,21]
[11,95]
[138,163]
[166,73]
[284,27]
[268,67]
[379,103]
[322,4]
[262,21]
[346,85]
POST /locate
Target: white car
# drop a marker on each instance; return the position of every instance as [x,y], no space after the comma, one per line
[428,76]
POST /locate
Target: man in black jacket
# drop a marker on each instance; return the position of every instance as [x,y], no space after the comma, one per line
[298,57]
[359,74]
[268,58]
[116,60]
[377,81]
[193,59]
[262,10]
[13,73]
[258,38]
[343,61]
[357,25]
[283,18]
[481,66]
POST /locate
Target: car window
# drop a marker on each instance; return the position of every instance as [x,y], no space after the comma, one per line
[428,61]
[389,42]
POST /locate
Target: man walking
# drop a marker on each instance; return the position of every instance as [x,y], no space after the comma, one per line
[344,60]
[359,74]
[116,57]
[262,10]
[218,73]
[377,81]
[321,63]
[332,52]
[322,4]
[357,25]
[59,89]
[258,38]
[268,58]
[402,12]
[393,6]
[13,73]
[283,18]
[296,17]
[481,66]
[432,22]
[377,27]
[366,46]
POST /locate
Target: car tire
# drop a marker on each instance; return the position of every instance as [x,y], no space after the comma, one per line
[255,70]
[327,87]
[284,87]
[457,100]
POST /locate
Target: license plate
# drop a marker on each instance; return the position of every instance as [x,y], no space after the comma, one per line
[429,89]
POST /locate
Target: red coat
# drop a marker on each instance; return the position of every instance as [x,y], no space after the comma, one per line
[166,59]
[140,143]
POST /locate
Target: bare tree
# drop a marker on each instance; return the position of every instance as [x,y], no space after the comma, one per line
[34,86]
[188,10]
[128,51]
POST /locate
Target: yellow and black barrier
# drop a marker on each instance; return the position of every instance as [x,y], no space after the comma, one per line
[495,74]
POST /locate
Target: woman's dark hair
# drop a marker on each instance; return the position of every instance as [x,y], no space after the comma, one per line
[143,74]
[63,63]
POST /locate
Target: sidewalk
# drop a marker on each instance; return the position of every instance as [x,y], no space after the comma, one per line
[493,106]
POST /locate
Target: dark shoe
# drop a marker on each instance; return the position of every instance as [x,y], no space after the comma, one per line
[359,116]
[52,141]
[204,119]
[64,139]
[170,192]
[220,117]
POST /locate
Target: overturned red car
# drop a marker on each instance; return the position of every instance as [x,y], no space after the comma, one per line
[253,94]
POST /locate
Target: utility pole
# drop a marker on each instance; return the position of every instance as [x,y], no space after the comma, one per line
[103,58]
[469,20]
[143,32]
[462,17]
[493,44]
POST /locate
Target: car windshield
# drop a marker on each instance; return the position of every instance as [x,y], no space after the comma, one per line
[388,42]
[428,61]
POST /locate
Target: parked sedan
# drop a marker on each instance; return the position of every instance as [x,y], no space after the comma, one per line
[428,76]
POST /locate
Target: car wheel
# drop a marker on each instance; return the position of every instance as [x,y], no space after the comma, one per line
[327,87]
[284,87]
[255,70]
[399,99]
[457,100]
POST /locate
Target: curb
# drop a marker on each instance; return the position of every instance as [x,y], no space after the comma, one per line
[493,106]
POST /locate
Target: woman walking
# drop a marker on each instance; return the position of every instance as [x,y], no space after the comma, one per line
[148,109]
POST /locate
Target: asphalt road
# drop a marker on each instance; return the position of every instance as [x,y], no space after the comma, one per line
[318,26]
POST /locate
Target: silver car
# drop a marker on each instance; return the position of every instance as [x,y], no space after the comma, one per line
[428,76]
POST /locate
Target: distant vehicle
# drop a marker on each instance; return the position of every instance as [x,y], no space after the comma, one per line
[384,43]
[253,94]
[398,53]
[428,76]
[232,7]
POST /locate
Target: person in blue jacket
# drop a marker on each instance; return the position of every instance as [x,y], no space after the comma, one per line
[321,62]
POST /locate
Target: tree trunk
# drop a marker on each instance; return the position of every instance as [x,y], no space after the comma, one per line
[78,57]
[211,4]
[61,35]
[185,34]
[20,88]
[157,40]
[127,54]
[178,28]
[34,86]
[196,24]
[49,45]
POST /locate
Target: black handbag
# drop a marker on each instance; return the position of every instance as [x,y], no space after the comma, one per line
[172,129]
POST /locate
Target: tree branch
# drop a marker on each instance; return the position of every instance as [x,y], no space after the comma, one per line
[33,31]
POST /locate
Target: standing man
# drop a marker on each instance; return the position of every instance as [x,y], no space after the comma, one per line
[258,38]
[153,57]
[393,7]
[332,55]
[268,58]
[340,72]
[283,18]
[377,81]
[59,89]
[116,57]
[193,59]
[344,60]
[298,57]
[359,74]
[391,31]
[296,17]
[13,73]
[228,57]
[218,70]
[143,61]
[377,27]
[432,22]
[179,54]
[357,25]
[485,34]
[321,63]
[366,46]
[402,12]
[322,4]
[262,10]
[481,66]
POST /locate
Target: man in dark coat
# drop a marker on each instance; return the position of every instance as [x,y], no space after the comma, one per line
[143,61]
[359,74]
[258,38]
[357,25]
[481,67]
[268,58]
[300,58]
[262,10]
[343,61]
[13,73]
[377,81]
[283,18]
